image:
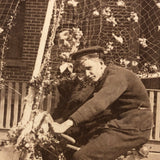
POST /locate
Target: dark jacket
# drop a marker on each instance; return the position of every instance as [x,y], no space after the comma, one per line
[122,93]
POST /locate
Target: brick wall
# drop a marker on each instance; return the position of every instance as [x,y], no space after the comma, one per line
[33,22]
[98,31]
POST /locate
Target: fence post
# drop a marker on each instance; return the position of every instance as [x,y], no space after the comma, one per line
[2,103]
[157,125]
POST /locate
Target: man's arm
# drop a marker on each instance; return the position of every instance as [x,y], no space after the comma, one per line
[61,128]
[114,85]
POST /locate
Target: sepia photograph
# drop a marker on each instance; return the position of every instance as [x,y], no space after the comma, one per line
[79,79]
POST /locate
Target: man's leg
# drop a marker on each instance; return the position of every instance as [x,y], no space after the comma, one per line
[110,145]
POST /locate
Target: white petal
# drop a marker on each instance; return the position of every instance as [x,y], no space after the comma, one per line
[158,4]
[63,67]
[118,38]
[1,30]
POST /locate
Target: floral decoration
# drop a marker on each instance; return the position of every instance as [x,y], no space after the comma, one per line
[38,134]
[72,3]
[142,71]
[1,30]
[118,38]
[95,12]
[108,15]
[124,62]
[5,39]
[143,42]
[158,4]
[134,17]
[65,66]
[109,47]
[121,3]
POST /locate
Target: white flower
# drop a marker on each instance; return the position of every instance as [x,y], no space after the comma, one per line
[124,62]
[133,16]
[27,145]
[143,42]
[64,35]
[138,57]
[154,67]
[134,63]
[112,19]
[109,47]
[1,30]
[118,38]
[121,3]
[95,12]
[78,33]
[158,4]
[75,48]
[66,65]
[146,64]
[67,44]
[65,55]
[106,12]
[159,28]
[72,3]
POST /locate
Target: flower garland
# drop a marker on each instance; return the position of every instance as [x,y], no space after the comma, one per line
[143,70]
[38,133]
[5,38]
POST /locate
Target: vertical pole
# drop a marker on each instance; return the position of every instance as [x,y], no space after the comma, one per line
[43,39]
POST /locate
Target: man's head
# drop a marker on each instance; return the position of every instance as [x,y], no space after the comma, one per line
[90,62]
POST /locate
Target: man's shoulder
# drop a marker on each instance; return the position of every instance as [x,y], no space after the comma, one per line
[118,69]
[121,73]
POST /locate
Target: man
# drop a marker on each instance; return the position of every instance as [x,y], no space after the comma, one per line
[116,91]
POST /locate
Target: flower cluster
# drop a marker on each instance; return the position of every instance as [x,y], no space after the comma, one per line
[5,38]
[36,135]
[158,4]
[37,132]
[109,47]
[121,3]
[143,42]
[134,17]
[145,70]
[95,12]
[108,15]
[72,3]
[118,38]
[1,30]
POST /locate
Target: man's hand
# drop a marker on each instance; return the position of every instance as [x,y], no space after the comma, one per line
[61,128]
[42,118]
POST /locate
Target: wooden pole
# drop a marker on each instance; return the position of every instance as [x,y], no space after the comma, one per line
[31,93]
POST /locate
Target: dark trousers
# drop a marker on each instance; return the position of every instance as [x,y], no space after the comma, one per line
[111,143]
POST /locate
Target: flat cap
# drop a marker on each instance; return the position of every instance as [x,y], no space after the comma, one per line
[86,51]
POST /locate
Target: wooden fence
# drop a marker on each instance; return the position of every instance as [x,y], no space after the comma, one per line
[154,96]
[12,98]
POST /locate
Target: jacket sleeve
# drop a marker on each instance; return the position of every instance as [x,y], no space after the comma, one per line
[113,87]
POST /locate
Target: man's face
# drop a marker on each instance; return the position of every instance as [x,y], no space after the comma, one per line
[94,68]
